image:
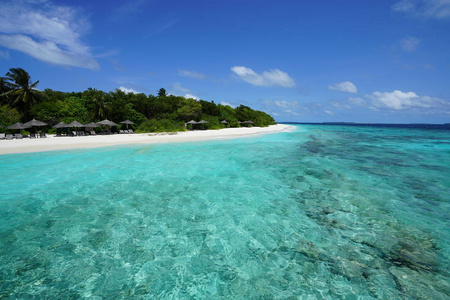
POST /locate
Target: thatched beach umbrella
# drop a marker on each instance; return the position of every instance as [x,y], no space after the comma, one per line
[191,122]
[91,125]
[60,125]
[34,123]
[107,123]
[127,122]
[203,122]
[75,124]
[224,122]
[17,125]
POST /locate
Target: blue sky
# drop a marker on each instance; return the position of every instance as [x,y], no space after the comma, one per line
[306,61]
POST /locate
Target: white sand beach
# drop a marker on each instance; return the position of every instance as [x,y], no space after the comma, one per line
[51,143]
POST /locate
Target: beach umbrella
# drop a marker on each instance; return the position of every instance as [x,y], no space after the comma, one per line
[192,122]
[127,122]
[249,122]
[60,125]
[34,123]
[224,122]
[75,124]
[17,125]
[107,123]
[203,122]
[91,125]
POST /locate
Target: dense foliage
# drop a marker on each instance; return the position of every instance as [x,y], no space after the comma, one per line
[21,101]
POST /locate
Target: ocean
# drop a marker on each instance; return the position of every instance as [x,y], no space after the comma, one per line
[323,212]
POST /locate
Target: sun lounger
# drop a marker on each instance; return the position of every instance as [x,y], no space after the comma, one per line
[74,133]
[122,131]
[93,132]
[130,131]
[9,136]
[32,135]
[42,135]
[18,136]
[2,136]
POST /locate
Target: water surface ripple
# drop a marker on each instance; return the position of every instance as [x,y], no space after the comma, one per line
[325,212]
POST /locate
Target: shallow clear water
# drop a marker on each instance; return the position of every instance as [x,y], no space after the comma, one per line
[325,212]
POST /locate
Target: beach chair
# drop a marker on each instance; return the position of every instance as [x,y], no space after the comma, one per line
[9,137]
[93,132]
[42,135]
[130,131]
[32,135]
[18,136]
[121,131]
[2,136]
[74,133]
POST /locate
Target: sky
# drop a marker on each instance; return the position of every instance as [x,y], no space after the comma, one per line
[369,61]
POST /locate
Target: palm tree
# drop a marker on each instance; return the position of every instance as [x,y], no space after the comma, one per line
[23,93]
[101,107]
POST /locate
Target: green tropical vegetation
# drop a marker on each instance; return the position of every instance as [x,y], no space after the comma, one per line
[20,101]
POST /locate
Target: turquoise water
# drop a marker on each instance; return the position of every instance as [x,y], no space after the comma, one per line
[325,212]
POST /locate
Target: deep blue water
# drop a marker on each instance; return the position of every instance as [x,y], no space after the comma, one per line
[324,212]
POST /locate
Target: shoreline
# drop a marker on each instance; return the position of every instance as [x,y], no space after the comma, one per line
[53,143]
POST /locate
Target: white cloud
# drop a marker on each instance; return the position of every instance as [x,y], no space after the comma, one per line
[398,100]
[177,89]
[228,104]
[357,101]
[273,77]
[191,74]
[4,54]
[409,44]
[191,96]
[328,112]
[46,31]
[127,90]
[437,9]
[345,86]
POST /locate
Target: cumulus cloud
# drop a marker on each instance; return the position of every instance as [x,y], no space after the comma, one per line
[177,89]
[409,44]
[191,74]
[45,31]
[357,101]
[398,100]
[191,96]
[273,77]
[127,90]
[346,87]
[228,104]
[436,9]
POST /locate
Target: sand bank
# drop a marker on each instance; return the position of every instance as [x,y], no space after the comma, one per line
[60,143]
